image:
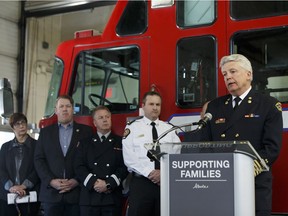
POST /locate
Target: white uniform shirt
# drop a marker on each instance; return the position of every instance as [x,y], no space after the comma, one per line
[136,135]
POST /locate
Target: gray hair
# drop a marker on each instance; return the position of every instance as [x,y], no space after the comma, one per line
[100,107]
[243,61]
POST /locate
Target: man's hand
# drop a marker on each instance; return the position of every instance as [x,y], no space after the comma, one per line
[100,186]
[63,185]
[154,176]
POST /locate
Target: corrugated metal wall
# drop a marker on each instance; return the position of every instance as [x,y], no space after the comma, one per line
[9,40]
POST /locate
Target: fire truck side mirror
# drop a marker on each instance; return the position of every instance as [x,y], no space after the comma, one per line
[6,98]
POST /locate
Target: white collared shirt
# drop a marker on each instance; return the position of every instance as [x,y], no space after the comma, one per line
[106,135]
[140,133]
[241,96]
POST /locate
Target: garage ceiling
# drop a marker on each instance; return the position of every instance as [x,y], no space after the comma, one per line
[44,8]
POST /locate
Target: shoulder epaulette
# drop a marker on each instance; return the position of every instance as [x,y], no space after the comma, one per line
[170,124]
[133,120]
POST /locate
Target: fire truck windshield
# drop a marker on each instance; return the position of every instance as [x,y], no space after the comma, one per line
[54,87]
[107,77]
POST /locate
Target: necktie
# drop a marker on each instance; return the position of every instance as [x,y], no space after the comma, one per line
[154,131]
[155,137]
[103,138]
[237,100]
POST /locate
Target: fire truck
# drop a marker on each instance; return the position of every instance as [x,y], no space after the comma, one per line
[174,47]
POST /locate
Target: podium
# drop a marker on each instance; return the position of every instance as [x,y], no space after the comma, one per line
[208,178]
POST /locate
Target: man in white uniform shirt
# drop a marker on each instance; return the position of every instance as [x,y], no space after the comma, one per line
[144,197]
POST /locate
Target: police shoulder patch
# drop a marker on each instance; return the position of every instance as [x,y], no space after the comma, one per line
[126,133]
[279,106]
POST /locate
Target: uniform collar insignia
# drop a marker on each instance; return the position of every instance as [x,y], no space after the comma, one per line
[249,100]
[227,101]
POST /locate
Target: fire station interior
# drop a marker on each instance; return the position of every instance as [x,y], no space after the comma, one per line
[42,25]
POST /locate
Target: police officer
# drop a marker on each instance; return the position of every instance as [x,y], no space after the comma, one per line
[247,115]
[99,166]
[144,198]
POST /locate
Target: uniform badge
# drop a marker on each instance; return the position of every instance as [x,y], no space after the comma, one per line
[279,106]
[126,133]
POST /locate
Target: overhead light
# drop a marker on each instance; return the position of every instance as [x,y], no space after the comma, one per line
[37,5]
[161,3]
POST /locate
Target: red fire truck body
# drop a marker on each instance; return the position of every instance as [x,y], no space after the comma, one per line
[148,45]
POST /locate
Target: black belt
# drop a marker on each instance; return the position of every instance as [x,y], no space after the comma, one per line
[137,175]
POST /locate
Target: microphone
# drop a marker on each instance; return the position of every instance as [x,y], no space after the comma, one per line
[203,122]
[156,154]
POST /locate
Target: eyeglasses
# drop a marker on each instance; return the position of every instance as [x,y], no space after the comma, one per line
[19,123]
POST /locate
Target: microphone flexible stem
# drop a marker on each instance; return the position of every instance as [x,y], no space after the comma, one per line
[175,128]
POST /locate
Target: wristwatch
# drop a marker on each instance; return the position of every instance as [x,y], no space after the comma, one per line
[108,186]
